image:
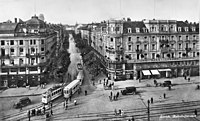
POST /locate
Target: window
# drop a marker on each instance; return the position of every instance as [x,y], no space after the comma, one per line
[42,58]
[153,38]
[11,42]
[179,29]
[2,42]
[20,42]
[153,55]
[111,39]
[42,49]
[31,42]
[22,69]
[186,45]
[137,30]
[129,39]
[193,54]
[12,61]
[172,45]
[145,47]
[186,29]
[32,50]
[179,54]
[194,37]
[194,45]
[145,37]
[172,37]
[153,46]
[42,41]
[117,28]
[138,47]
[129,30]
[21,50]
[12,51]
[34,42]
[179,46]
[187,38]
[180,38]
[193,29]
[129,56]
[129,47]
[21,61]
[138,38]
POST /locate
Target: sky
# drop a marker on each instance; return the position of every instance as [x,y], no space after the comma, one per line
[88,11]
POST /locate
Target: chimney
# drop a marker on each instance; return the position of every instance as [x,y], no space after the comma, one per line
[15,20]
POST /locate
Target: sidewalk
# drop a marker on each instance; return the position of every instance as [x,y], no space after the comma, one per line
[150,82]
[22,91]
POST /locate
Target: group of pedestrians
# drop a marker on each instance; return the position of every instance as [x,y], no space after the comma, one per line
[113,97]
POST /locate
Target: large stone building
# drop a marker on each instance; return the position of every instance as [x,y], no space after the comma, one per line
[25,48]
[148,48]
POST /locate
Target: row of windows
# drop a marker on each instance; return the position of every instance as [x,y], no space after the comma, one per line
[164,37]
[21,42]
[153,46]
[56,92]
[21,50]
[154,55]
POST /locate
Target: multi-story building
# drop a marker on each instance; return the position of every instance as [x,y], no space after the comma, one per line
[148,48]
[25,47]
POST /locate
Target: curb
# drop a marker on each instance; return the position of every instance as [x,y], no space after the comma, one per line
[20,95]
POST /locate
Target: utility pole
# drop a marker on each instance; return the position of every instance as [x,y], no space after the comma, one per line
[148,110]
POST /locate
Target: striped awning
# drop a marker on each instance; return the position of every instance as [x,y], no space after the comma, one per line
[146,72]
[155,72]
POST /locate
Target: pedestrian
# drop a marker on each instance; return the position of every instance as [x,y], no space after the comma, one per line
[164,95]
[122,113]
[64,104]
[44,110]
[117,95]
[85,92]
[132,118]
[115,111]
[139,80]
[36,112]
[195,112]
[51,112]
[51,104]
[100,81]
[151,100]
[114,97]
[29,116]
[169,87]
[70,98]
[188,79]
[111,93]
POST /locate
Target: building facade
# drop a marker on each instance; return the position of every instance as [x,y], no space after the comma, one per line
[148,48]
[25,48]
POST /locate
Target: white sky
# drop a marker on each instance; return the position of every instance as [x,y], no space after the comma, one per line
[87,11]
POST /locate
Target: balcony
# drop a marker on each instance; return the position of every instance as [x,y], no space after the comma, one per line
[139,51]
[163,41]
[110,50]
[33,55]
[188,49]
[5,57]
[165,50]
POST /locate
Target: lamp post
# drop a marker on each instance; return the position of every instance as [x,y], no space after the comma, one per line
[148,110]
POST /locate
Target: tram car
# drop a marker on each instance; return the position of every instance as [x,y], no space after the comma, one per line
[80,76]
[52,93]
[71,88]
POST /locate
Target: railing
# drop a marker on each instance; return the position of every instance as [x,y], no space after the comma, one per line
[5,57]
[138,51]
[164,59]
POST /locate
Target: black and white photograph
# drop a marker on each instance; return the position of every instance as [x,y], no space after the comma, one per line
[99,60]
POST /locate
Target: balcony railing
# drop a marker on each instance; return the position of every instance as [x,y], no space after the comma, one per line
[139,51]
[164,41]
[5,57]
[188,49]
[33,55]
[163,59]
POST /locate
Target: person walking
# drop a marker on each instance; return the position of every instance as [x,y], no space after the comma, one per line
[29,115]
[44,110]
[195,112]
[85,92]
[160,98]
[164,95]
[51,112]
[64,104]
[111,93]
[117,95]
[151,100]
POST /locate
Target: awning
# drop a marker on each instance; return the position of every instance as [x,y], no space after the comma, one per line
[146,72]
[155,72]
[164,69]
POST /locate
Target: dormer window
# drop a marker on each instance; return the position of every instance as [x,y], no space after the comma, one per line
[193,29]
[137,30]
[145,30]
[129,30]
[179,29]
[186,29]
